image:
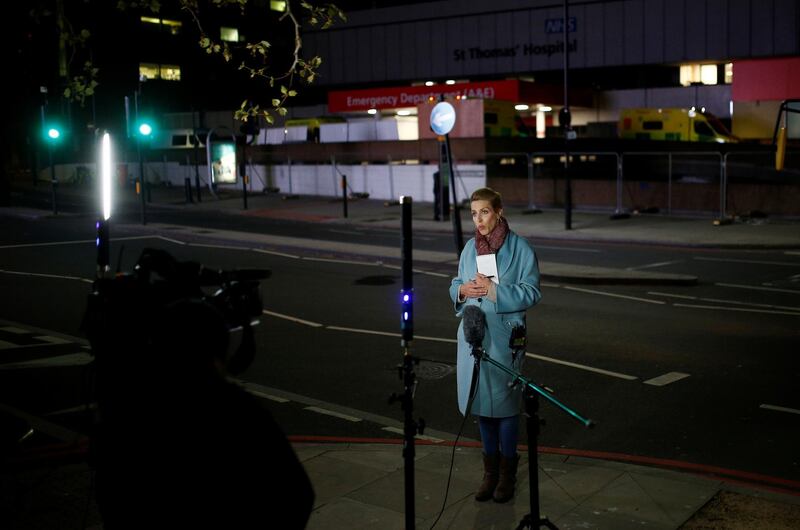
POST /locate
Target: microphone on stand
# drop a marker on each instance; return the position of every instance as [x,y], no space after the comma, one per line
[474,329]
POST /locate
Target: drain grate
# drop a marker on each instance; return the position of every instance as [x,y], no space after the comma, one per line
[431,371]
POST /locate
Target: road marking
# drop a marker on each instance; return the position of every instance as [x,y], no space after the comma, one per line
[347,232]
[339,415]
[740,309]
[73,359]
[293,319]
[759,288]
[42,275]
[603,293]
[365,331]
[52,340]
[418,436]
[717,300]
[170,240]
[222,247]
[342,261]
[665,379]
[779,409]
[653,265]
[792,253]
[389,334]
[55,243]
[7,345]
[266,396]
[582,367]
[568,248]
[16,331]
[752,261]
[418,271]
[272,252]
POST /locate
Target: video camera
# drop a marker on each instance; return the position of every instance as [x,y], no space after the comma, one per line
[179,311]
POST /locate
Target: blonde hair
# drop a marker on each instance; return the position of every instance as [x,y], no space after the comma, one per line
[488,194]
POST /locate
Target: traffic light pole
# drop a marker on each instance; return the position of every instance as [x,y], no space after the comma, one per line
[141,180]
[53,179]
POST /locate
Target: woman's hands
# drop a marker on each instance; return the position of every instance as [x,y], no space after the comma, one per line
[475,288]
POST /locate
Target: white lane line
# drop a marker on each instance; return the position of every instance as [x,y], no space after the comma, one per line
[222,247]
[752,261]
[568,248]
[389,334]
[342,261]
[273,253]
[418,436]
[170,240]
[665,379]
[365,331]
[582,367]
[653,265]
[73,359]
[52,340]
[546,284]
[740,309]
[779,408]
[292,319]
[792,253]
[614,295]
[339,415]
[720,301]
[16,331]
[55,243]
[759,288]
[10,345]
[266,396]
[347,232]
[6,345]
[42,275]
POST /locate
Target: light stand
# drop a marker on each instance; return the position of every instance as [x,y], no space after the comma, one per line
[103,237]
[532,423]
[410,427]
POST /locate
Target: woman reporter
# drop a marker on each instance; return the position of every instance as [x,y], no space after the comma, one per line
[504,293]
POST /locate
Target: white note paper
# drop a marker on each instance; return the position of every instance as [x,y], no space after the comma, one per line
[487,265]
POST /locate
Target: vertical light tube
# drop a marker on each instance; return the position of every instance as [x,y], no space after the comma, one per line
[105,175]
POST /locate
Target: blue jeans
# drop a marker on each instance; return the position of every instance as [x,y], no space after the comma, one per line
[499,433]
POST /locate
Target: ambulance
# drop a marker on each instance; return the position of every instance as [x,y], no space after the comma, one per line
[675,124]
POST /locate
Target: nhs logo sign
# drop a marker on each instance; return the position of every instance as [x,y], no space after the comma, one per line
[556,25]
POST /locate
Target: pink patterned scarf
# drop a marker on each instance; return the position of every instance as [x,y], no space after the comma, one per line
[491,243]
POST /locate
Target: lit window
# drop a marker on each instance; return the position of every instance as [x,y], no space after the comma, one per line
[167,72]
[277,5]
[698,73]
[173,26]
[728,73]
[170,72]
[148,71]
[229,34]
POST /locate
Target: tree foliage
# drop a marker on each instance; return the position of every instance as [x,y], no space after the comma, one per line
[254,58]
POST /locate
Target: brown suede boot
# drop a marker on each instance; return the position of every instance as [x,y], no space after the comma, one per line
[508,479]
[490,477]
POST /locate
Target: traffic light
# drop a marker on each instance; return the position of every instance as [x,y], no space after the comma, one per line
[53,133]
[145,129]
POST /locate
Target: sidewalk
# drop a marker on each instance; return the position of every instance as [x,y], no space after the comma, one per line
[360,484]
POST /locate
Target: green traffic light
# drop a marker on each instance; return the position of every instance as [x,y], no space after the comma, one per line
[145,129]
[53,133]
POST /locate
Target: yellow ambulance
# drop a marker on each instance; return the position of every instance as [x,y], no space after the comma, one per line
[676,124]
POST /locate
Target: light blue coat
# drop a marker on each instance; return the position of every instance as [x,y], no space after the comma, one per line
[518,290]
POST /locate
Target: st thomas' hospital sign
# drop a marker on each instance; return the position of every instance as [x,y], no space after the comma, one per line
[551,26]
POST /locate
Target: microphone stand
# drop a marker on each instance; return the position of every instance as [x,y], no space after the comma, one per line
[532,424]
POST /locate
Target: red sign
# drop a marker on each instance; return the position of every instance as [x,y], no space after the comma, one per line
[397,97]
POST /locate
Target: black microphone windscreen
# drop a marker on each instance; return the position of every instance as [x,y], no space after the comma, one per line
[474,325]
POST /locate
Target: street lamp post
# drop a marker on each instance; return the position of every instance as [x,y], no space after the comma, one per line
[53,134]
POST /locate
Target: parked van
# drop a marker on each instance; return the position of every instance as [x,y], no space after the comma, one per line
[676,124]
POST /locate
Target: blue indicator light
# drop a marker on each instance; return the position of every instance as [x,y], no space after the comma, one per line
[406,298]
[405,315]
